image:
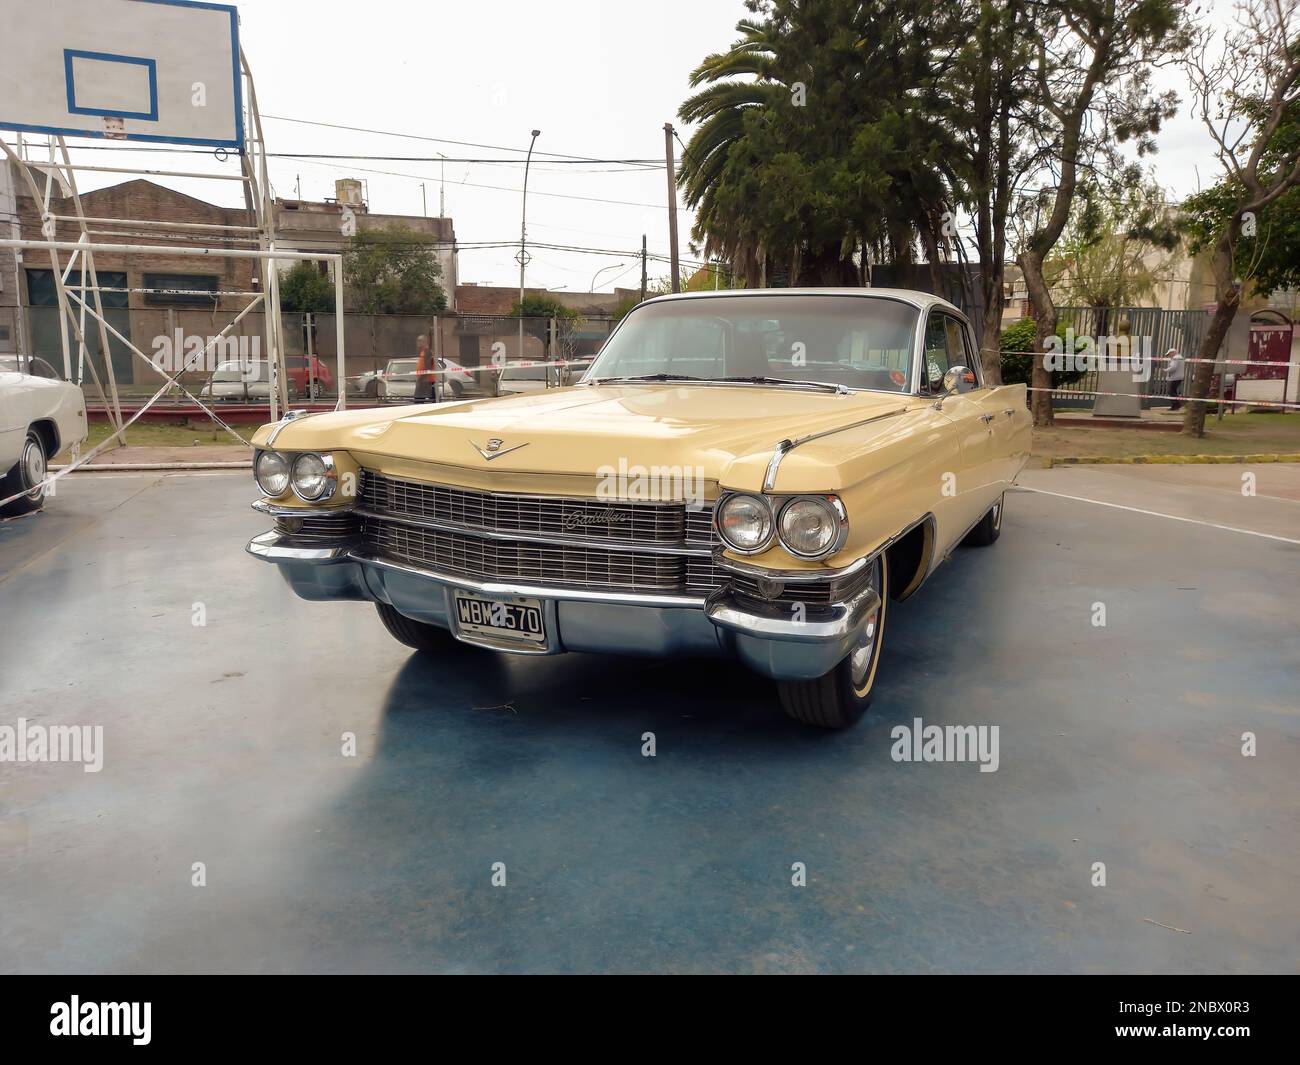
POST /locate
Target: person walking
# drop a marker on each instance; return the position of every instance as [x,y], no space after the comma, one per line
[426,378]
[1174,371]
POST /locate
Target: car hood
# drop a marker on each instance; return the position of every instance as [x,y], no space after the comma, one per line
[726,435]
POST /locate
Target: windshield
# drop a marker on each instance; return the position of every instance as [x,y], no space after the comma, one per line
[851,341]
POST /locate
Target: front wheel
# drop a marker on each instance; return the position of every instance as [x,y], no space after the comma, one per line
[28,477]
[417,634]
[837,699]
[989,527]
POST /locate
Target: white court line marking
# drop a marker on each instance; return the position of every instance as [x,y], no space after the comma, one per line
[1157,514]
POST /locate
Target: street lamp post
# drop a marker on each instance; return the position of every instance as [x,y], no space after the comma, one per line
[523,241]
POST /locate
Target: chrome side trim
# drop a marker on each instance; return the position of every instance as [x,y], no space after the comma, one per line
[637,546]
[289,417]
[777,622]
[769,479]
[786,446]
[533,591]
[791,576]
[263,506]
[272,547]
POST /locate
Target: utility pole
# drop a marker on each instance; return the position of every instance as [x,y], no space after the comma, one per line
[523,240]
[672,204]
[424,201]
[643,277]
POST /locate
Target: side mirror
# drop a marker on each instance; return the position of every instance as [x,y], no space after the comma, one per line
[959,379]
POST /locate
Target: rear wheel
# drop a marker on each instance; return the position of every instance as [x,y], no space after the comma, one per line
[417,634]
[989,527]
[457,390]
[837,699]
[26,477]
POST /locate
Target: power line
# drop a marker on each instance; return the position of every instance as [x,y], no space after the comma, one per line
[434,140]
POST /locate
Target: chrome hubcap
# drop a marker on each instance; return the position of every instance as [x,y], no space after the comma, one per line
[34,465]
[861,655]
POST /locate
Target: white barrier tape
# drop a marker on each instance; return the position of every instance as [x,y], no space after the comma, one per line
[1160,358]
[1227,401]
[472,370]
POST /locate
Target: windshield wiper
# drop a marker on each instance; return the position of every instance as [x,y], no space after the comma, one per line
[785,381]
[650,377]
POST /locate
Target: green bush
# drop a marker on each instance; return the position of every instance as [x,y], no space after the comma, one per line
[1016,343]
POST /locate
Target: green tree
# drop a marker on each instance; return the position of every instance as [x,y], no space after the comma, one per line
[813,154]
[1110,254]
[305,289]
[1248,98]
[1092,71]
[393,271]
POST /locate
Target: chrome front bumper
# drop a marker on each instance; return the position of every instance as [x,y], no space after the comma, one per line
[769,638]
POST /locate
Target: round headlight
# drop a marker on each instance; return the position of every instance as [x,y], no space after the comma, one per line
[745,523]
[809,527]
[313,477]
[272,473]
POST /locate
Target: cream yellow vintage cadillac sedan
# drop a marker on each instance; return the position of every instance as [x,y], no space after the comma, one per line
[753,474]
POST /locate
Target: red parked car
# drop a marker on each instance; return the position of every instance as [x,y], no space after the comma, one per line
[312,380]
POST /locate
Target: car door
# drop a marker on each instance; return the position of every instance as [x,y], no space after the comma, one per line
[969,493]
[13,427]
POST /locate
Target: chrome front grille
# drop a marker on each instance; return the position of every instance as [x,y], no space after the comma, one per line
[627,546]
[318,525]
[567,565]
[621,521]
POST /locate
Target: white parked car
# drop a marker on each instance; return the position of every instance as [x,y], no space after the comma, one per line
[398,379]
[516,378]
[240,382]
[40,416]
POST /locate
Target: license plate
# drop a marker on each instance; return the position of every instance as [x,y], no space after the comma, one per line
[513,619]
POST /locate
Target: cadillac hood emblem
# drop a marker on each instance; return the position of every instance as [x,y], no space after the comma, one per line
[494,450]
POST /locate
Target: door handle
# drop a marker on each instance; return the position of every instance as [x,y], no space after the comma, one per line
[1009,413]
[986,418]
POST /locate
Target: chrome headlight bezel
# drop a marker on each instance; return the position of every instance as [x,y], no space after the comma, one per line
[837,524]
[329,476]
[268,489]
[768,526]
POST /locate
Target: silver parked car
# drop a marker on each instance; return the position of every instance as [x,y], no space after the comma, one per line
[243,382]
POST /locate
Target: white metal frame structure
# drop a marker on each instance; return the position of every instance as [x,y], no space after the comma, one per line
[79,299]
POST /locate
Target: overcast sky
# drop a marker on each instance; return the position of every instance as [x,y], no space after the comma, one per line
[599,78]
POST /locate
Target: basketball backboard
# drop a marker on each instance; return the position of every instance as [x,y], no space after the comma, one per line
[144,70]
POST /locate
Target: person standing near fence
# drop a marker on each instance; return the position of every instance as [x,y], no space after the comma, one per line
[1174,370]
[425,375]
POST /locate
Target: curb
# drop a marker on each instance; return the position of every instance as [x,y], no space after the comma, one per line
[130,467]
[1167,460]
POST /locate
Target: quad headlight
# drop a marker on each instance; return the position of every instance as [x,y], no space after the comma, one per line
[310,474]
[809,527]
[812,526]
[271,469]
[745,523]
[312,477]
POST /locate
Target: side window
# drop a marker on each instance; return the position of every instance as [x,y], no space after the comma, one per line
[939,356]
[964,354]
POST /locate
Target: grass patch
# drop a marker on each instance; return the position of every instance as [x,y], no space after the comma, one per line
[1237,434]
[148,435]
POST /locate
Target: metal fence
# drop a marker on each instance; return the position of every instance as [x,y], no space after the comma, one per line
[1150,326]
[477,351]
